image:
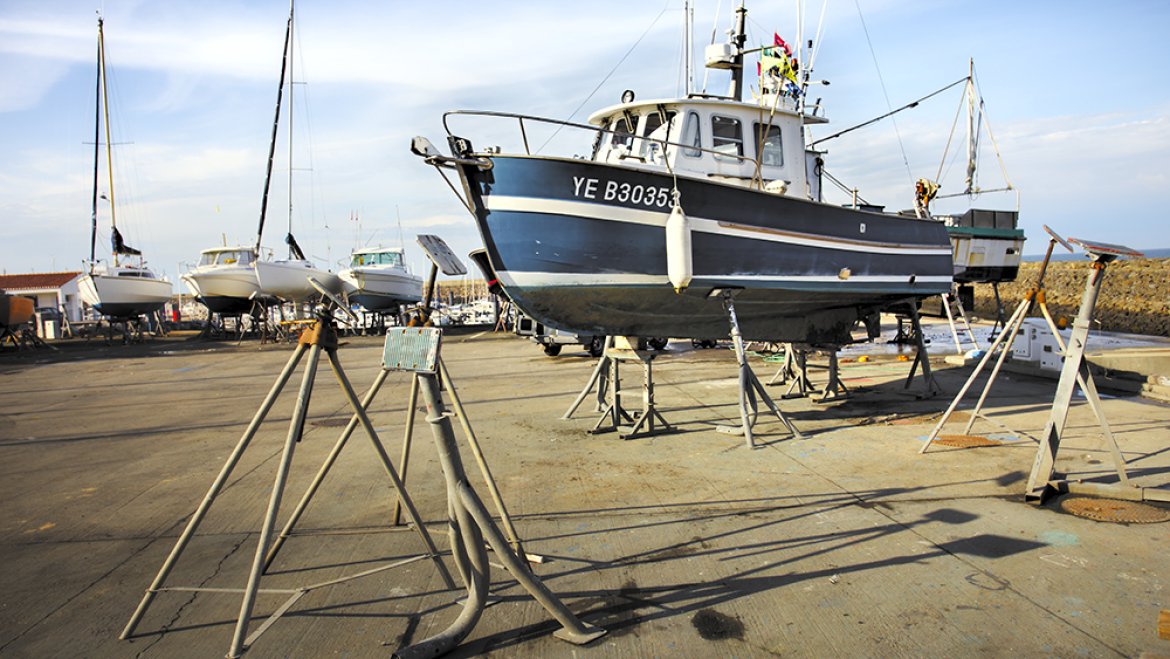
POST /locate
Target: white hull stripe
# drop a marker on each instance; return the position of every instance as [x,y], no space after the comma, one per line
[658,219]
[540,279]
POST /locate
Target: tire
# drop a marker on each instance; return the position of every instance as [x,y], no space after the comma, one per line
[658,343]
[552,349]
[596,346]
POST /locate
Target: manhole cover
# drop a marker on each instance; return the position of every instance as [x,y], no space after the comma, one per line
[966,441]
[333,422]
[1113,510]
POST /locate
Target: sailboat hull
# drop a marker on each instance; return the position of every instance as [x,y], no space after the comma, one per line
[289,280]
[124,295]
[582,246]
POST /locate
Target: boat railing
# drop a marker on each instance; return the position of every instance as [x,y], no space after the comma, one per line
[598,132]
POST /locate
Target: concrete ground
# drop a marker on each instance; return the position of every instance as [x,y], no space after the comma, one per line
[846,543]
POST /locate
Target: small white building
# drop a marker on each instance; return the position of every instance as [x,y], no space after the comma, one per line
[48,290]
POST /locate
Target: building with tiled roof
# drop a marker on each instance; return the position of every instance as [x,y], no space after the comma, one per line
[48,290]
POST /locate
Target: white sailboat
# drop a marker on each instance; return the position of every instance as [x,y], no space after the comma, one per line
[378,279]
[124,288]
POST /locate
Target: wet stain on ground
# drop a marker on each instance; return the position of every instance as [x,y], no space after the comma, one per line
[332,422]
[715,626]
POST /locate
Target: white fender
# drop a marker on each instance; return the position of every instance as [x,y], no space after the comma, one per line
[679,263]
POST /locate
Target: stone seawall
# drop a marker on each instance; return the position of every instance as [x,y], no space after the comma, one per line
[1135,297]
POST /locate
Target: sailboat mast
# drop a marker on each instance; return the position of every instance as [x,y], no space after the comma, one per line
[291,83]
[106,121]
[97,132]
[275,128]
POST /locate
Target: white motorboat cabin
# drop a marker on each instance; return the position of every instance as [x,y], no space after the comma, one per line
[223,256]
[386,257]
[715,138]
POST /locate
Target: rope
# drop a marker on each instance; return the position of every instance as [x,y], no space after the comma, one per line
[607,76]
[886,94]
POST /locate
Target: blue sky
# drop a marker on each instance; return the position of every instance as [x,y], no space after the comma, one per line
[1077,95]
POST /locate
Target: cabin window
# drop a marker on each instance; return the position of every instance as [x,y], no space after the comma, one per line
[692,136]
[656,132]
[726,136]
[768,141]
[623,133]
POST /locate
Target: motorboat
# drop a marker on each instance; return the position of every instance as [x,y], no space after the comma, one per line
[225,279]
[379,280]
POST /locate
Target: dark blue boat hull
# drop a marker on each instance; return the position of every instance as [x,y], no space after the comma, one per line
[581,246]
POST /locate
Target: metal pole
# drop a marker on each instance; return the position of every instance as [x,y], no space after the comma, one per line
[464,532]
[473,442]
[946,300]
[295,429]
[325,467]
[602,363]
[741,359]
[411,511]
[408,436]
[213,492]
[1010,330]
[1042,467]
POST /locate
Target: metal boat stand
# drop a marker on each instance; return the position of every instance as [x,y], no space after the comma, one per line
[607,374]
[416,349]
[953,307]
[787,369]
[930,386]
[835,389]
[1002,345]
[749,384]
[442,258]
[321,337]
[795,369]
[131,330]
[1041,483]
[1000,320]
[599,377]
[801,384]
[472,442]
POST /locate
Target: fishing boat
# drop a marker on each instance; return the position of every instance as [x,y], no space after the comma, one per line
[378,279]
[684,201]
[232,279]
[123,288]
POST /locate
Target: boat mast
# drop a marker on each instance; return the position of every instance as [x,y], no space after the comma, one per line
[97,128]
[739,39]
[291,82]
[275,127]
[972,135]
[109,143]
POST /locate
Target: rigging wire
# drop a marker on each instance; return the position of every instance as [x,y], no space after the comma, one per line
[608,75]
[950,137]
[987,123]
[890,113]
[714,32]
[881,80]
